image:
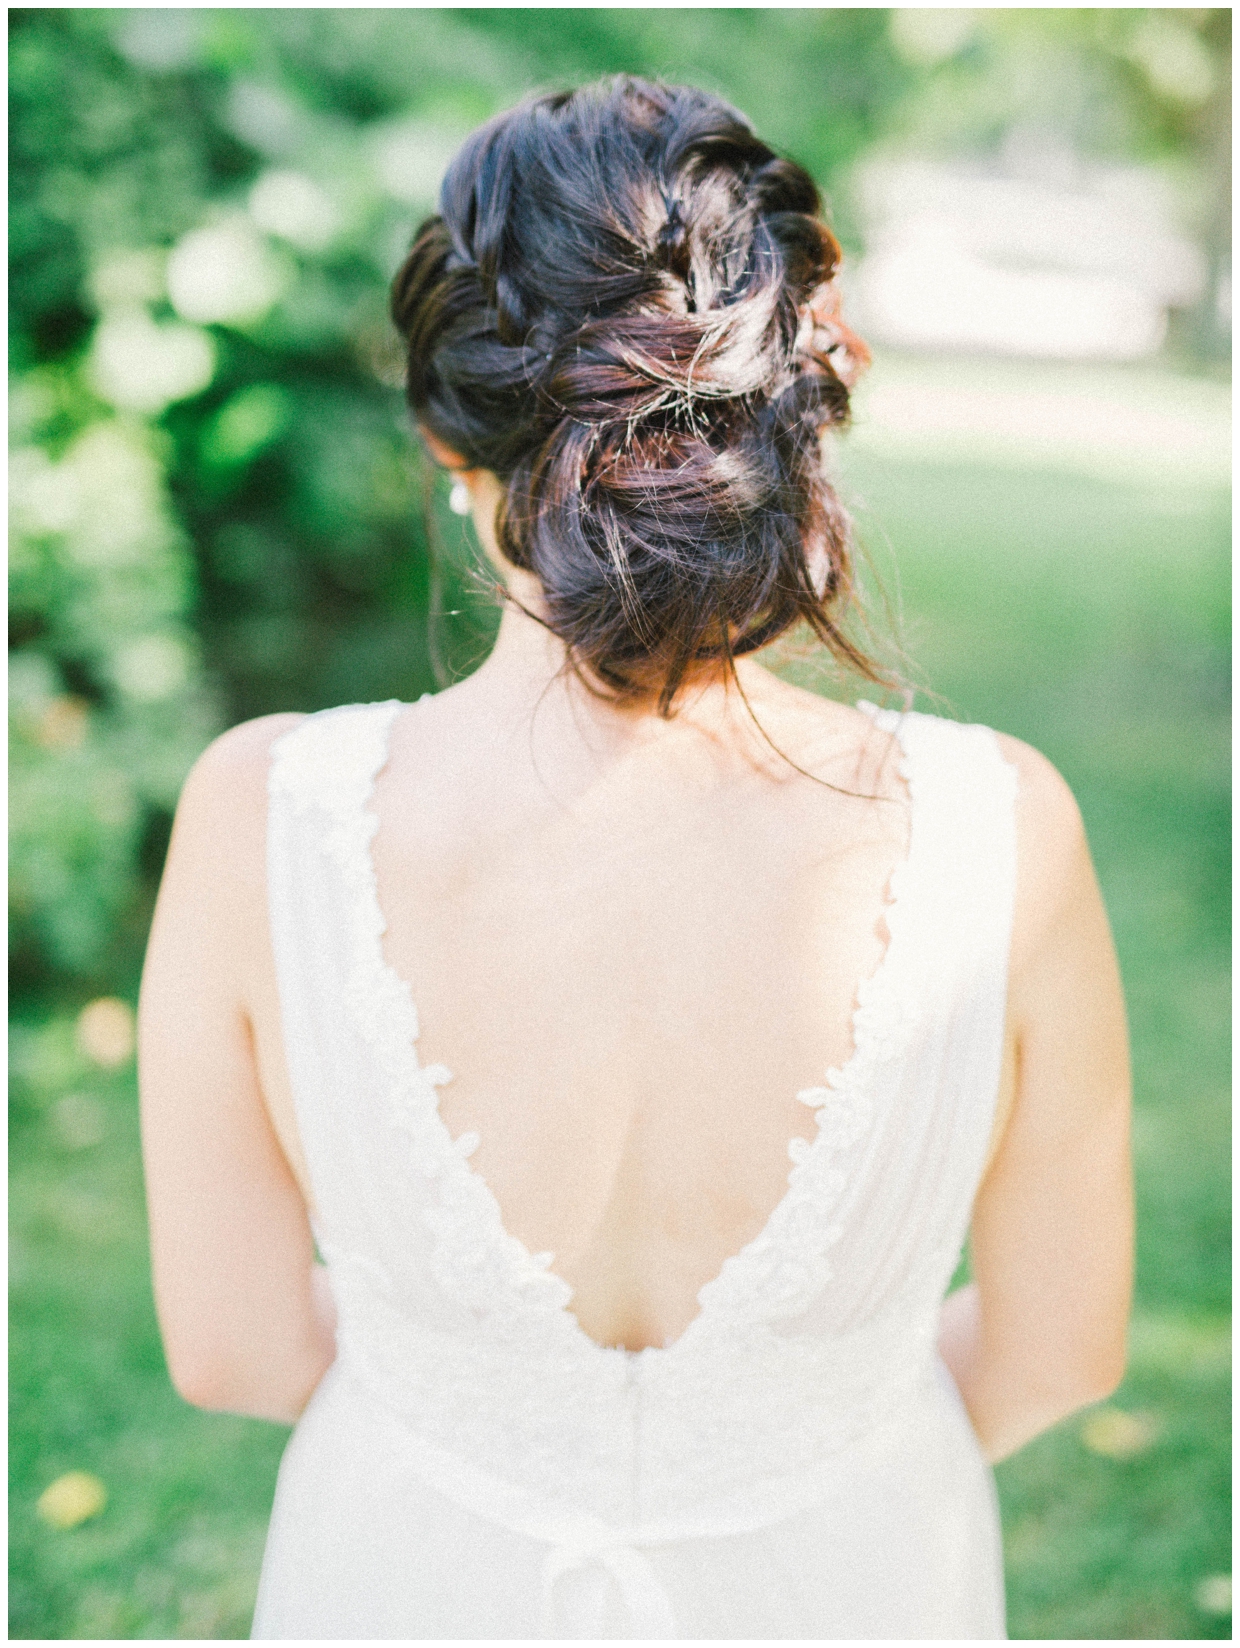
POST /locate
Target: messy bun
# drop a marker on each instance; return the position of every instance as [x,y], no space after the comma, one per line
[625,310]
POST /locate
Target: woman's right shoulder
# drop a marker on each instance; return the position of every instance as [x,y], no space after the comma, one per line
[1056,887]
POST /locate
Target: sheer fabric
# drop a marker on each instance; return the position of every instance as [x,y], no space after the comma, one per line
[798,1463]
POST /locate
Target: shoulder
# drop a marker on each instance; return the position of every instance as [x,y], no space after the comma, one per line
[213,894]
[1048,821]
[990,781]
[221,816]
[1001,783]
[291,752]
[1049,830]
[1043,798]
[245,748]
[231,773]
[1055,882]
[1049,834]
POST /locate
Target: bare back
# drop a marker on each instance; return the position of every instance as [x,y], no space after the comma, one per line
[632,959]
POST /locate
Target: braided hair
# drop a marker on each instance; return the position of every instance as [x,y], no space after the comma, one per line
[625,309]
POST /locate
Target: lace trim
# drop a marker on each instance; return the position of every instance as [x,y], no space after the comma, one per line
[331,761]
[783,1269]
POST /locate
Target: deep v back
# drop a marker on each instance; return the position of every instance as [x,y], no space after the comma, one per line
[824,1320]
[632,1134]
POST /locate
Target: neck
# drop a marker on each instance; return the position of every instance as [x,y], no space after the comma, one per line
[528,673]
[527,677]
[528,660]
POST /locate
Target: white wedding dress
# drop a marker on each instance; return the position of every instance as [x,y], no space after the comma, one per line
[798,1463]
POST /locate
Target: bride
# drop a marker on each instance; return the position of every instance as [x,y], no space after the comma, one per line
[606,1285]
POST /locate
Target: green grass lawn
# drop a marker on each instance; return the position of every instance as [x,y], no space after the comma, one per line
[1087,617]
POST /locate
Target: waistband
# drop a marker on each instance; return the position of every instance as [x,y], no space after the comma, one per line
[575,1539]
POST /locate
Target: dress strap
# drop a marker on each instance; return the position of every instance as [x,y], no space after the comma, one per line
[326,767]
[331,759]
[963,791]
[960,920]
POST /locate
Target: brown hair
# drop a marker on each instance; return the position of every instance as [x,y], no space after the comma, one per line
[626,311]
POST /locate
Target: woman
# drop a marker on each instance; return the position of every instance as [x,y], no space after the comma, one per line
[586,1357]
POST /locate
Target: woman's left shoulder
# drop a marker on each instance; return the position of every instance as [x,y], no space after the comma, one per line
[220,826]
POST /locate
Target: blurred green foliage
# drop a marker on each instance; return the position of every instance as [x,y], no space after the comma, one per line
[217,512]
[216,503]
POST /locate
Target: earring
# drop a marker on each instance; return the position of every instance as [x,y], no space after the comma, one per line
[459,500]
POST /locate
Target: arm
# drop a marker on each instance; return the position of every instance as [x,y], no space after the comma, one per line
[248,1325]
[1041,1331]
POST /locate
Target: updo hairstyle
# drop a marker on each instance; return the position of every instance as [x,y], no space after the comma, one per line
[625,310]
